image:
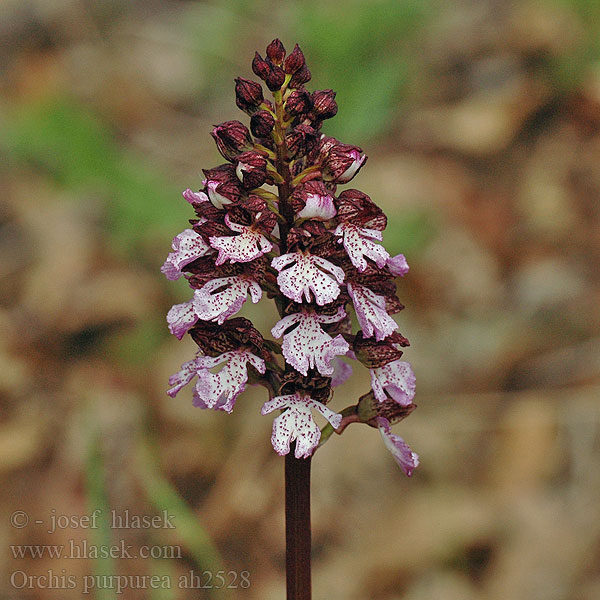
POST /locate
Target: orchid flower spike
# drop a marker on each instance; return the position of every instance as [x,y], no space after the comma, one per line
[271,224]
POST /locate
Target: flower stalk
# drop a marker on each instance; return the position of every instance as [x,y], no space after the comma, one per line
[271,222]
[297,527]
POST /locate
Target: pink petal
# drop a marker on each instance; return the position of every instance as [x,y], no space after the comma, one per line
[181,318]
[371,312]
[397,265]
[216,199]
[187,246]
[403,455]
[195,198]
[398,379]
[351,171]
[358,243]
[341,372]
[318,207]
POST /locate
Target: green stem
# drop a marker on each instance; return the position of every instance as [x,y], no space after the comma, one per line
[304,173]
[349,415]
[285,187]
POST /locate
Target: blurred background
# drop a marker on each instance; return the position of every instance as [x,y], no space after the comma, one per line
[482,124]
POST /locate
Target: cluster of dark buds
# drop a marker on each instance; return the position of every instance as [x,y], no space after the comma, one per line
[270,221]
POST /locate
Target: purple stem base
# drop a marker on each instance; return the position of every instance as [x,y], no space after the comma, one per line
[297,527]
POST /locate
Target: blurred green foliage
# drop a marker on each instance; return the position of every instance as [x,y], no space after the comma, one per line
[97,496]
[409,231]
[190,531]
[73,147]
[569,68]
[366,52]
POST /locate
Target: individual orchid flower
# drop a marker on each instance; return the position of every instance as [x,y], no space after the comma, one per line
[358,160]
[358,243]
[296,423]
[217,300]
[304,277]
[371,312]
[247,246]
[397,379]
[221,389]
[251,169]
[221,298]
[403,455]
[217,390]
[341,162]
[307,345]
[188,246]
[312,200]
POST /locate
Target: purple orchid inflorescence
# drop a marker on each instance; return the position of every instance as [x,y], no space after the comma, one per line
[271,222]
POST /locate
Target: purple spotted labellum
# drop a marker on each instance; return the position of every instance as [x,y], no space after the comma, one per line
[297,423]
[247,246]
[272,224]
[403,455]
[307,345]
[308,277]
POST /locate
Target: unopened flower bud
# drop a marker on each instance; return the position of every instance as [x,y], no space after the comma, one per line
[300,77]
[262,123]
[276,51]
[294,61]
[251,169]
[299,102]
[301,140]
[325,105]
[375,354]
[232,138]
[268,71]
[260,67]
[369,409]
[318,386]
[275,78]
[248,95]
[214,339]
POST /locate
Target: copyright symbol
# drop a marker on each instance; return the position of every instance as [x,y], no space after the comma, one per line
[19,519]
